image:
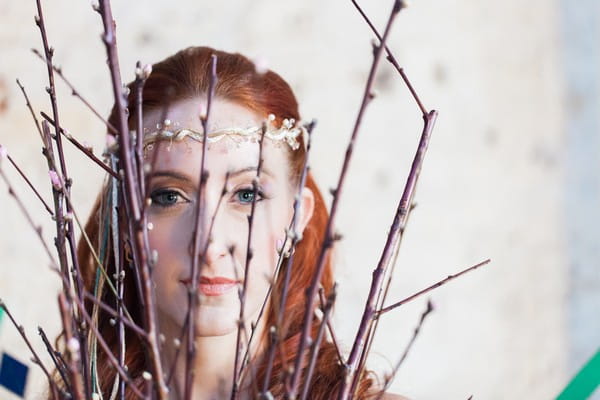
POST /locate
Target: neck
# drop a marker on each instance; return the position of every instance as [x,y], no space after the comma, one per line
[213,364]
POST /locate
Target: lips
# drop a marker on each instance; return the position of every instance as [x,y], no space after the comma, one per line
[216,286]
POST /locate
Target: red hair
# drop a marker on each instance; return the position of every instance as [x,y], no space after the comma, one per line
[185,75]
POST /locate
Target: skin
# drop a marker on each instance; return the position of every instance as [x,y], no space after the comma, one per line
[173,188]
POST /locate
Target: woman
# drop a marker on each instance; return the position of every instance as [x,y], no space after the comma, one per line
[247,106]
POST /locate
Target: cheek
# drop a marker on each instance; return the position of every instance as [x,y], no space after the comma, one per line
[270,227]
[169,237]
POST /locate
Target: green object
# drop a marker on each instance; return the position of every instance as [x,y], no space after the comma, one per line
[585,382]
[1,315]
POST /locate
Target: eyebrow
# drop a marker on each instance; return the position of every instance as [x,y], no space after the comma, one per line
[170,174]
[249,169]
[187,178]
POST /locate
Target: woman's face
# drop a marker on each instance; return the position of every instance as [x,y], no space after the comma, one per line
[173,188]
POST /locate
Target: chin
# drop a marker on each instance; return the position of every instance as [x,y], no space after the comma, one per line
[216,321]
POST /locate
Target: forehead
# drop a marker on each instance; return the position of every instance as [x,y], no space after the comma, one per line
[226,155]
[186,113]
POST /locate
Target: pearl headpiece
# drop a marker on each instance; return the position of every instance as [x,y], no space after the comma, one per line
[289,133]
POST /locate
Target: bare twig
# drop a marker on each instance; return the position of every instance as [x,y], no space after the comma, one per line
[333,337]
[392,59]
[63,233]
[316,345]
[74,91]
[120,317]
[109,352]
[241,326]
[329,237]
[394,236]
[30,108]
[36,358]
[199,237]
[430,288]
[388,379]
[56,356]
[294,236]
[207,243]
[73,347]
[82,148]
[37,194]
[132,200]
[37,228]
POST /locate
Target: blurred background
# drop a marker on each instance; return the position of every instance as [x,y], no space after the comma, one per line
[511,173]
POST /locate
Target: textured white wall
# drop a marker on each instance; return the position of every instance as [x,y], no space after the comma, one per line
[492,186]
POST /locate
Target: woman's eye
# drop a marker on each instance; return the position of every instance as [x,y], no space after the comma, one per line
[166,198]
[246,196]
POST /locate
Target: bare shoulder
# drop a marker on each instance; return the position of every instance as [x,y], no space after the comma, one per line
[391,396]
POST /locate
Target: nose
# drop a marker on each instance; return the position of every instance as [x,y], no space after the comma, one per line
[212,242]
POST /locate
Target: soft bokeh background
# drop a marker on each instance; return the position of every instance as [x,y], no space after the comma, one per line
[511,173]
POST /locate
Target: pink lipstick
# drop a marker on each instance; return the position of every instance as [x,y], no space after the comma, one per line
[216,286]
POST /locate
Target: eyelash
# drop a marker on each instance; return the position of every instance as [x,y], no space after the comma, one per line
[161,192]
[157,194]
[259,193]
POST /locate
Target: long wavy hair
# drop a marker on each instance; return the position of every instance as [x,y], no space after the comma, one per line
[184,75]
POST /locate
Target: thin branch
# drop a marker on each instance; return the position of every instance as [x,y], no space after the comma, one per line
[30,108]
[56,356]
[75,92]
[224,191]
[36,358]
[430,288]
[329,236]
[394,237]
[37,194]
[314,351]
[60,223]
[392,59]
[36,228]
[242,294]
[103,344]
[132,200]
[294,236]
[333,337]
[128,322]
[199,237]
[388,380]
[73,347]
[82,148]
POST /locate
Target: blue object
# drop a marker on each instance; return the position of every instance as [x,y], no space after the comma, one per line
[13,374]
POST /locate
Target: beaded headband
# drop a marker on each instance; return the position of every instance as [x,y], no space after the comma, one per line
[288,133]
